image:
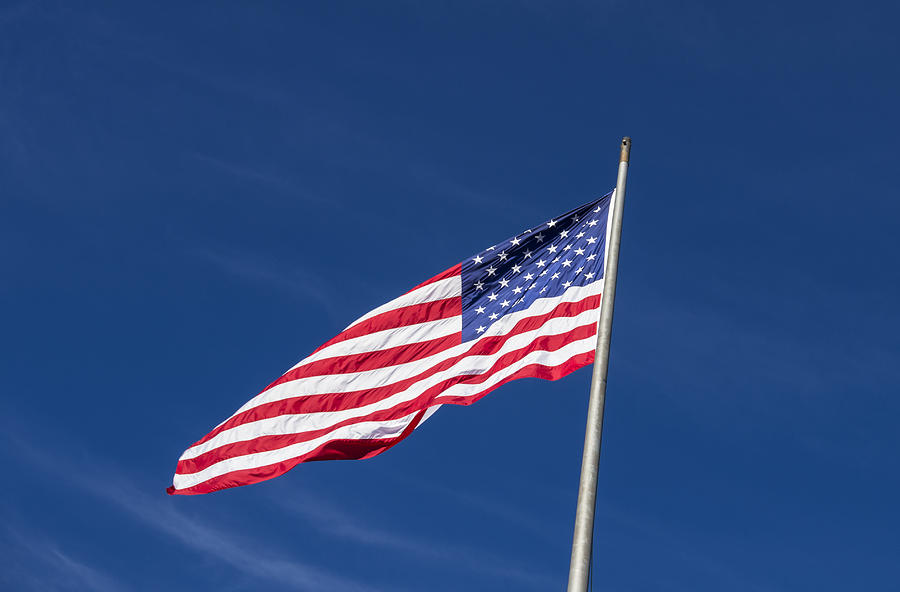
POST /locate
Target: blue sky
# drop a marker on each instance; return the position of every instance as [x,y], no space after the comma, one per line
[192,198]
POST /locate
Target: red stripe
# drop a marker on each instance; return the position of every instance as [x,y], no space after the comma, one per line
[352,363]
[392,319]
[331,450]
[455,270]
[359,398]
[275,441]
[534,371]
[374,360]
[361,449]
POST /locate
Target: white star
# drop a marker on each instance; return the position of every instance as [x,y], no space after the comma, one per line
[592,240]
[567,284]
[502,255]
[527,254]
[515,241]
[539,237]
[480,329]
[480,310]
[579,270]
[504,283]
[489,249]
[580,234]
[478,259]
[564,233]
[528,276]
[517,290]
[591,257]
[532,286]
[551,223]
[555,276]
[589,275]
[516,268]
[541,263]
[556,259]
[544,289]
[597,210]
[579,251]
[479,285]
[551,249]
[575,218]
[543,273]
[566,263]
[492,296]
[592,223]
[493,316]
[491,270]
[567,247]
[505,303]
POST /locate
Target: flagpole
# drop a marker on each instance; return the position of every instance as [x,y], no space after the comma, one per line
[582,542]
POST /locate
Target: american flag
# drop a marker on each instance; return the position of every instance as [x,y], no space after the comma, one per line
[527,306]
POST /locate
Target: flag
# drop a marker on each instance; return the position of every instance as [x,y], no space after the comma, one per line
[524,307]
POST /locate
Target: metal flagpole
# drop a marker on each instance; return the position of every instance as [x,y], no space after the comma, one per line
[579,567]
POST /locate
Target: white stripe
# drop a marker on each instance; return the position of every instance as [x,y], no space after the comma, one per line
[387,338]
[380,376]
[319,420]
[371,430]
[439,290]
[368,379]
[357,431]
[429,413]
[542,357]
[371,342]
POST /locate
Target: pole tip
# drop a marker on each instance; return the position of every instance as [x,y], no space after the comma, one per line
[626,149]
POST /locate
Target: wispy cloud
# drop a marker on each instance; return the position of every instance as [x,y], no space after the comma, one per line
[674,542]
[489,507]
[432,179]
[57,570]
[742,359]
[224,546]
[255,268]
[336,522]
[269,179]
[248,557]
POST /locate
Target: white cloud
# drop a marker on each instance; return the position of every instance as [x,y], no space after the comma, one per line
[333,521]
[295,279]
[249,557]
[56,570]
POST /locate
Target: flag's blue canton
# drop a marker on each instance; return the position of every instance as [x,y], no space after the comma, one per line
[539,263]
